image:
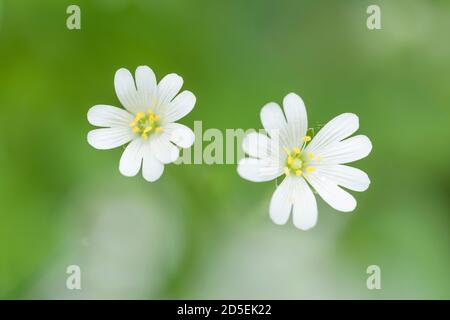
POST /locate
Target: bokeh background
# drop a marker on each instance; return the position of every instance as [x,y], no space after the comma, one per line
[201,231]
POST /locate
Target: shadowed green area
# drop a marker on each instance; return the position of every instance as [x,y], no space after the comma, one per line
[209,234]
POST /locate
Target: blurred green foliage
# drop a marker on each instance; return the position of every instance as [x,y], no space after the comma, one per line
[212,227]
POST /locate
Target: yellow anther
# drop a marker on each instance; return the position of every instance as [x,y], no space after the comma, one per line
[290,160]
[286,171]
[150,111]
[159,130]
[157,118]
[311,169]
[298,173]
[140,115]
[306,138]
[147,130]
[136,130]
[144,136]
[310,155]
[318,159]
[297,150]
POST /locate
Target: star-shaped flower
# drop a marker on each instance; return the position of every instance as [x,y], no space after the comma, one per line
[306,162]
[147,123]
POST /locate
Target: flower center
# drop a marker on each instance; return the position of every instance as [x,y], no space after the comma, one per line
[297,160]
[294,162]
[145,124]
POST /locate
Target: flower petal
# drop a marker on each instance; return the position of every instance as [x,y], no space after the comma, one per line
[258,170]
[168,88]
[126,91]
[108,116]
[282,200]
[131,159]
[179,134]
[109,138]
[297,121]
[349,150]
[334,131]
[152,168]
[257,145]
[164,150]
[146,87]
[274,123]
[305,206]
[345,176]
[180,106]
[331,193]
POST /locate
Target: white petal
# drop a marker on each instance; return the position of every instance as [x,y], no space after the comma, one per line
[337,129]
[168,88]
[130,162]
[164,150]
[257,145]
[349,150]
[331,193]
[282,200]
[179,107]
[152,168]
[109,138]
[274,123]
[297,120]
[146,87]
[108,116]
[345,176]
[126,91]
[179,134]
[258,170]
[305,206]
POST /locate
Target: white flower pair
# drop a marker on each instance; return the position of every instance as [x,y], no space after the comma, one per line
[149,123]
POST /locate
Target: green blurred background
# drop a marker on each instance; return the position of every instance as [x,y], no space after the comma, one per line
[201,231]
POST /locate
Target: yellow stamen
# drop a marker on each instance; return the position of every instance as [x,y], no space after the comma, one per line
[310,155]
[159,130]
[290,160]
[147,130]
[136,130]
[298,173]
[144,136]
[286,150]
[318,159]
[157,118]
[138,117]
[311,169]
[286,171]
[297,150]
[306,138]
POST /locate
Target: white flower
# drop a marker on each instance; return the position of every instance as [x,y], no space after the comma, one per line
[317,163]
[148,122]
